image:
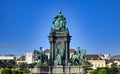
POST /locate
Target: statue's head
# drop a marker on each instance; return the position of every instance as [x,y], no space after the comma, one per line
[40,48]
[60,12]
[78,48]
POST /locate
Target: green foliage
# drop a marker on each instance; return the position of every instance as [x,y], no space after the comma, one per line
[24,71]
[114,69]
[99,71]
[14,72]
[2,64]
[31,65]
[20,72]
[109,71]
[7,63]
[22,66]
[2,72]
[93,72]
[6,71]
[40,64]
[102,71]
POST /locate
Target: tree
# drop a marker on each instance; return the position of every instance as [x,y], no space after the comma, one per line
[2,64]
[22,66]
[114,69]
[31,65]
[6,71]
[7,63]
[11,64]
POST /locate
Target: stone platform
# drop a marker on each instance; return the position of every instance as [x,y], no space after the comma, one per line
[60,70]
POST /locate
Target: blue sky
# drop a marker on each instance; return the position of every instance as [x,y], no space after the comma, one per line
[93,24]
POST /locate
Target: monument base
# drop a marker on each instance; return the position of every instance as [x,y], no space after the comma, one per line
[60,70]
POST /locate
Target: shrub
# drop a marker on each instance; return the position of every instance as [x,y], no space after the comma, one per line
[3,71]
[93,72]
[24,71]
[20,72]
[102,71]
[14,72]
[6,71]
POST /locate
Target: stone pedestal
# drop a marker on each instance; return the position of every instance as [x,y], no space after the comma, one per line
[57,69]
[60,70]
[40,70]
[59,41]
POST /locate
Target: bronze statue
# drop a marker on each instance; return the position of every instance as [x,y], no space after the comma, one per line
[73,58]
[78,57]
[83,52]
[59,58]
[59,21]
[40,56]
[60,54]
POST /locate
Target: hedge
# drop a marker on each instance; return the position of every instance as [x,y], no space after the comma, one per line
[93,72]
[14,72]
[102,71]
[6,71]
[9,71]
[20,71]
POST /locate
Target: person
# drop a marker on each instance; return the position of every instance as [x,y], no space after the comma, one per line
[59,57]
[78,54]
[73,58]
[36,54]
[40,54]
[59,21]
[44,58]
[83,52]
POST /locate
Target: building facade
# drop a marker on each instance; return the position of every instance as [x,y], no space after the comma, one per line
[95,60]
[7,57]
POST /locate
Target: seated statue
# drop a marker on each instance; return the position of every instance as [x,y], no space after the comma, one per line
[59,21]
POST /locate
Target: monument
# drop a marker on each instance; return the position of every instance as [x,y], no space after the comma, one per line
[60,61]
[59,39]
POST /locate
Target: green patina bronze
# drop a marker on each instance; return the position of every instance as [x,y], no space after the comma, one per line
[73,58]
[59,39]
[41,56]
[59,21]
[60,54]
[78,57]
